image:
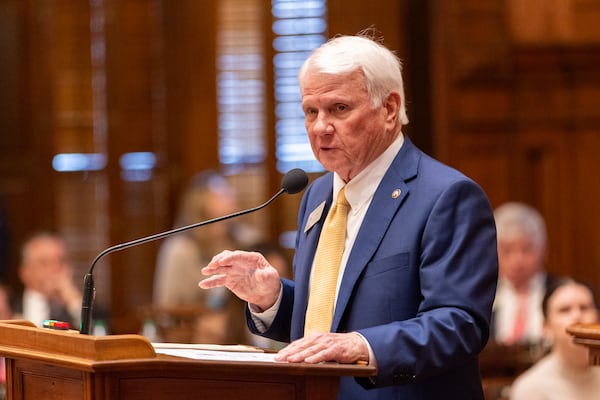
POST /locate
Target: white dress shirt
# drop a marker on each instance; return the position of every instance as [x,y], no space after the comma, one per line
[35,307]
[506,306]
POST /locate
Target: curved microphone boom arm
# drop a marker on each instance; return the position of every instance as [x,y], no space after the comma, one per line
[293,182]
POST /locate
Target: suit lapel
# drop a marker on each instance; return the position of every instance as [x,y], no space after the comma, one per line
[388,198]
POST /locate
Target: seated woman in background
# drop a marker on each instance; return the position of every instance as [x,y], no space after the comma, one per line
[209,195]
[565,372]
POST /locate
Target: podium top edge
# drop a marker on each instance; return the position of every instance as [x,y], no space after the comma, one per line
[22,337]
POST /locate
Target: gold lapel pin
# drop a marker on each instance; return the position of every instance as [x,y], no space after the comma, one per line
[396,194]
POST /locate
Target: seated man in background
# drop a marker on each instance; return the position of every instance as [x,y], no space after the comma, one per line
[522,280]
[565,373]
[49,291]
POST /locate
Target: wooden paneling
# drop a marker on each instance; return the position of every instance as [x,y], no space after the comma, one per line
[387,17]
[189,49]
[135,106]
[71,80]
[558,21]
[516,109]
[25,137]
[107,77]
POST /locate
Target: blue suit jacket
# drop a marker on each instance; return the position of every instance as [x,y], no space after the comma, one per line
[419,282]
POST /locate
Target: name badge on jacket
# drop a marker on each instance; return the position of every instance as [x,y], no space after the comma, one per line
[314,216]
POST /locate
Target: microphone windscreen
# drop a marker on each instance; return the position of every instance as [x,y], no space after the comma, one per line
[294,181]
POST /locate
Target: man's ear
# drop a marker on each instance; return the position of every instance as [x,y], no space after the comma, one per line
[392,105]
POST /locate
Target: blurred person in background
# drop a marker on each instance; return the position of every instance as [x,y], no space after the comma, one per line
[521,234]
[49,290]
[565,373]
[209,195]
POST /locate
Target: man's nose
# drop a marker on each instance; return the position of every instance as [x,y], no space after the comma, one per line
[323,124]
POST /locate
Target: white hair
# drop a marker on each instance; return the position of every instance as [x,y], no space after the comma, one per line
[381,67]
[516,218]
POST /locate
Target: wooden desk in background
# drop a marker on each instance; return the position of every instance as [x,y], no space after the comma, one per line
[499,365]
[587,335]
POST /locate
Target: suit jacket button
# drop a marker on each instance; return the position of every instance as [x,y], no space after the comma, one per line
[402,378]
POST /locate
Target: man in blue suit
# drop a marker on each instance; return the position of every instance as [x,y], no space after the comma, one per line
[419,267]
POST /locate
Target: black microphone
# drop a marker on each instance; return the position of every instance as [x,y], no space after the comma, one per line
[293,182]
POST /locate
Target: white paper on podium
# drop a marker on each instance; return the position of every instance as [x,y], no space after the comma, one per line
[214,352]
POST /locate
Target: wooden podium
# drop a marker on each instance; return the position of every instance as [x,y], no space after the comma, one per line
[587,335]
[51,364]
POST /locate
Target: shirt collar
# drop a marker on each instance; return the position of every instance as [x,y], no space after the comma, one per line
[361,188]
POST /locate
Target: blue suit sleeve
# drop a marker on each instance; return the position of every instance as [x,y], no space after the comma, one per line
[280,328]
[456,261]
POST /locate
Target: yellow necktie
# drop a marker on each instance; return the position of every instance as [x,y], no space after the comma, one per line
[319,313]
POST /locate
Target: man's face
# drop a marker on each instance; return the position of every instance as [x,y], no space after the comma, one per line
[519,258]
[345,132]
[44,262]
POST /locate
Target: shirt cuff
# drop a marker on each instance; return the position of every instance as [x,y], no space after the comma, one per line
[372,359]
[264,319]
